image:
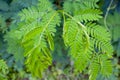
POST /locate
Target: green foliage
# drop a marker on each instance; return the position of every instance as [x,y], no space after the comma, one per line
[4,5]
[89,43]
[9,8]
[85,15]
[100,65]
[37,32]
[72,6]
[25,3]
[3,70]
[114,24]
[87,38]
[37,40]
[2,24]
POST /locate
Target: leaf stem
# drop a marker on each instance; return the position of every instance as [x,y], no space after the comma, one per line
[83,27]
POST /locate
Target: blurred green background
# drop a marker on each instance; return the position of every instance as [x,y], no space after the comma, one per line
[12,64]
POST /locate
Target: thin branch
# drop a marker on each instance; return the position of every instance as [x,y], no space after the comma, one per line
[107,12]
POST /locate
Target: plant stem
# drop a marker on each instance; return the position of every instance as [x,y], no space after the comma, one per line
[83,27]
[105,18]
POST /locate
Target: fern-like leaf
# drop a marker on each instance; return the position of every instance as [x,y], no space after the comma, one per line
[38,28]
[106,65]
[72,6]
[88,15]
[87,40]
[73,37]
[100,65]
[94,68]
[101,42]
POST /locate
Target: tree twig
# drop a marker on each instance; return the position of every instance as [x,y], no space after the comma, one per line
[105,18]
